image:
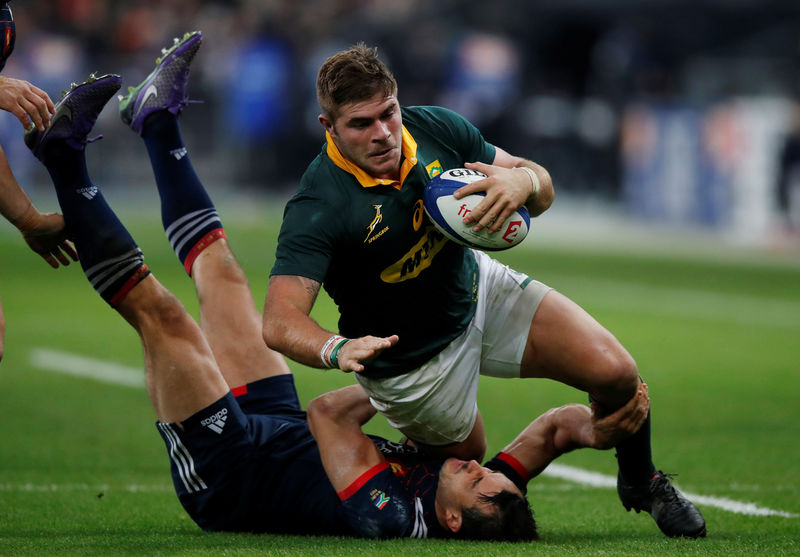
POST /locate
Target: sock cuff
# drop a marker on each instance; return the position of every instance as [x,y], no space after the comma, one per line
[197,249]
[128,285]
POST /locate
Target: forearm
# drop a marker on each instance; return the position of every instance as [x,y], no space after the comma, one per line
[287,326]
[346,408]
[296,336]
[542,193]
[335,420]
[15,205]
[552,434]
[574,426]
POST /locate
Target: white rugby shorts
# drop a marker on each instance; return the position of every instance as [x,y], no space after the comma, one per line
[436,404]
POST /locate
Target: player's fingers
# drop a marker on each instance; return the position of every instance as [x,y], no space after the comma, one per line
[501,218]
[70,250]
[62,258]
[481,211]
[48,102]
[479,166]
[33,112]
[50,260]
[21,115]
[473,187]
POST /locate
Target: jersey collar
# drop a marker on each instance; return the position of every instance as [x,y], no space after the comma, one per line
[409,148]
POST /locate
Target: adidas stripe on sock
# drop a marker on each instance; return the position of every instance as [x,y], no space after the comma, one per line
[194,232]
[115,277]
[109,256]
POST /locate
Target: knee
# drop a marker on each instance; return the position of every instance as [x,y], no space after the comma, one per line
[616,375]
[165,312]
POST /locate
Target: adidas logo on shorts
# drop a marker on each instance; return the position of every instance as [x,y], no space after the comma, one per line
[216,422]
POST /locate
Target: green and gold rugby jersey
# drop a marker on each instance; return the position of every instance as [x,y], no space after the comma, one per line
[378,256]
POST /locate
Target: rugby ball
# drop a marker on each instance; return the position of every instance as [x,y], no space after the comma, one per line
[447,213]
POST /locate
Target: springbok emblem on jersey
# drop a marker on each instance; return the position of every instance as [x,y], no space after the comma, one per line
[375,222]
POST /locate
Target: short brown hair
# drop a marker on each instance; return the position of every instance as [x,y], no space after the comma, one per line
[353,75]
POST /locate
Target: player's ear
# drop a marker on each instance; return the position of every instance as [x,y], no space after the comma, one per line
[326,122]
[453,520]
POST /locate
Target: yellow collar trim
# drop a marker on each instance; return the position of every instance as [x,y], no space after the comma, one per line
[409,148]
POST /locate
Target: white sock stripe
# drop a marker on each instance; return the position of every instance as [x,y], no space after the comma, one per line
[188,217]
[122,271]
[183,461]
[99,280]
[193,232]
[99,267]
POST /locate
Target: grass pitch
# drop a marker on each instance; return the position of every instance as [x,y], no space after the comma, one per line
[85,473]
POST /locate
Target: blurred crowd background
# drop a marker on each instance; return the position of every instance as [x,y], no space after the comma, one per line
[680,112]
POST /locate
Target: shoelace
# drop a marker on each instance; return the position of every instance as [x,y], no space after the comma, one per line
[663,487]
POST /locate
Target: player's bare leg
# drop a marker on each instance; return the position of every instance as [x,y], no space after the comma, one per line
[230,320]
[181,374]
[228,315]
[566,344]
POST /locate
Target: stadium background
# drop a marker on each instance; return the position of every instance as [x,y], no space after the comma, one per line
[676,112]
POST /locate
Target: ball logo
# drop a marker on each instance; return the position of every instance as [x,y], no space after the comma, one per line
[448,213]
[461,172]
[512,230]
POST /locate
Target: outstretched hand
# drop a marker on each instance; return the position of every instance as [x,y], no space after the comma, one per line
[622,423]
[27,102]
[358,350]
[46,236]
[507,189]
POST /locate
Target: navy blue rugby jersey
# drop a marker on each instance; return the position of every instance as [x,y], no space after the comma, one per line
[395,499]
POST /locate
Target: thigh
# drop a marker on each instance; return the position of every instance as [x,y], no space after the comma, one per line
[567,344]
[508,301]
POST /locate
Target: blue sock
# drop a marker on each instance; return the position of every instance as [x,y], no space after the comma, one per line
[110,258]
[189,217]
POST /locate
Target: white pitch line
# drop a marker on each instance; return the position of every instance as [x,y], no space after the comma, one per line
[47,488]
[594,479]
[80,366]
[109,372]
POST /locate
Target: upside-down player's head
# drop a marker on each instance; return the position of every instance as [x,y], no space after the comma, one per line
[478,503]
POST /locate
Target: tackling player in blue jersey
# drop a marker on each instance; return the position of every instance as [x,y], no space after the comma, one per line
[241,449]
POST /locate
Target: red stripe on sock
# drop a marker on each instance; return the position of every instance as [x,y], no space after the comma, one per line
[134,279]
[204,242]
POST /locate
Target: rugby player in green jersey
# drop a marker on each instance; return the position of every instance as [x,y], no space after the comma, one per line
[421,318]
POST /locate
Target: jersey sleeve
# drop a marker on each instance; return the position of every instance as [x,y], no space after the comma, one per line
[306,240]
[462,135]
[376,506]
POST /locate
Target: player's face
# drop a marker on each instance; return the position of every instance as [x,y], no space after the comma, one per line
[369,134]
[461,483]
